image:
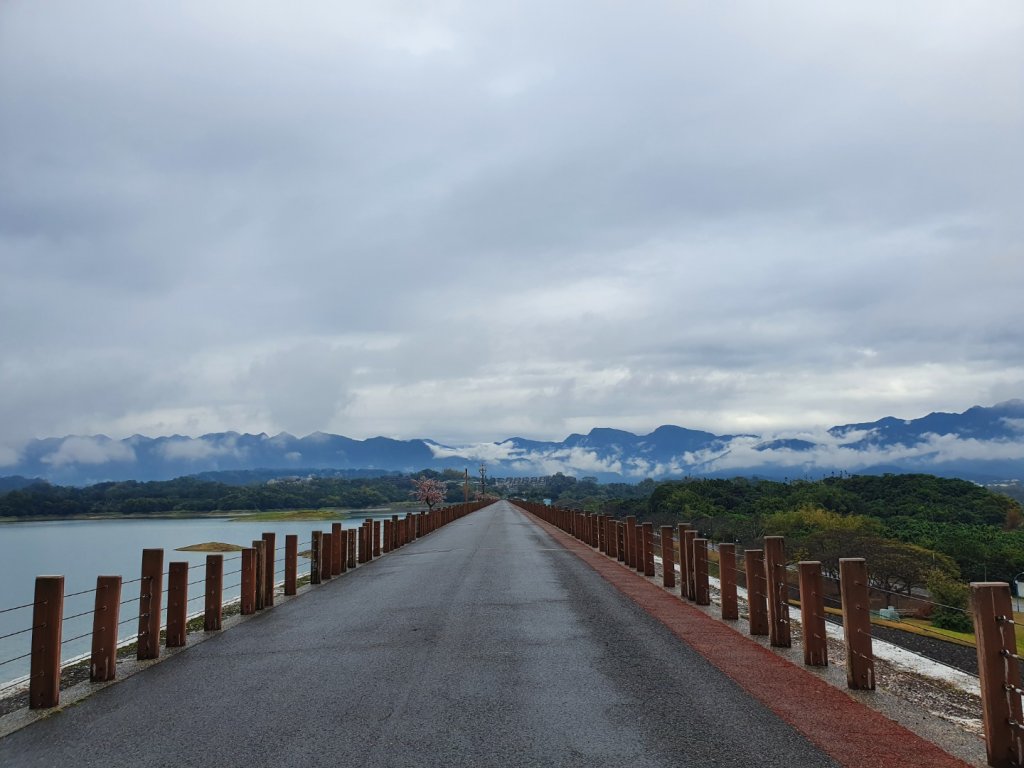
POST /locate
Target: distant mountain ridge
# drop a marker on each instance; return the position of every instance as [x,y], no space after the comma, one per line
[982,443]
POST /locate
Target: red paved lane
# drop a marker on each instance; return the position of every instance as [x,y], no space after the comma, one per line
[846,730]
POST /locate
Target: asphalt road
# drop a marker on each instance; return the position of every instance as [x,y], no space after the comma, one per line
[483,644]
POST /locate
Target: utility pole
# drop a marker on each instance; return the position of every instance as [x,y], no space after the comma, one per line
[483,472]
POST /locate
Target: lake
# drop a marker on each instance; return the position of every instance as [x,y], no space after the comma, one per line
[81,550]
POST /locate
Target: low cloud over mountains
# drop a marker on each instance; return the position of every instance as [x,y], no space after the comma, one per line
[981,443]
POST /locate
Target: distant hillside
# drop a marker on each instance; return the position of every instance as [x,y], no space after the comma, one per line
[981,444]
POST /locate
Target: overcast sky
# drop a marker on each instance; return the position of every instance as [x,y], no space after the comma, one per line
[472,220]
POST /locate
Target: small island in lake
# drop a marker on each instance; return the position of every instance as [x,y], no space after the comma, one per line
[211,546]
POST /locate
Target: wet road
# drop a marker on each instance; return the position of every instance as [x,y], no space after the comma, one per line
[482,644]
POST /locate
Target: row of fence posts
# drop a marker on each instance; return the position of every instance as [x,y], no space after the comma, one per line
[634,544]
[332,554]
[999,663]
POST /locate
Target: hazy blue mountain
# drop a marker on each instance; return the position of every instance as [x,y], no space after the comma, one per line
[982,443]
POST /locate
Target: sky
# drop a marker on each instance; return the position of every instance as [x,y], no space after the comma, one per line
[467,221]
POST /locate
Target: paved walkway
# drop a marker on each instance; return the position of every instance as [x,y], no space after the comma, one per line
[487,643]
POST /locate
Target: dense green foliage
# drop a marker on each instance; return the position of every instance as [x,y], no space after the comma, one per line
[187,494]
[907,525]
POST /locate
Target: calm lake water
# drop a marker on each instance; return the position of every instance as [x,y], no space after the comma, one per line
[81,550]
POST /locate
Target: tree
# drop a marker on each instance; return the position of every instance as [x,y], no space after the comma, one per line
[951,597]
[428,491]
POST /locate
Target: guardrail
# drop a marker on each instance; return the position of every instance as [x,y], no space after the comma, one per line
[767,583]
[768,588]
[332,553]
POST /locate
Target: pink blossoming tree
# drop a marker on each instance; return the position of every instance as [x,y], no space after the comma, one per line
[429,491]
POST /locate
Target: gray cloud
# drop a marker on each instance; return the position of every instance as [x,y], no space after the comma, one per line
[467,222]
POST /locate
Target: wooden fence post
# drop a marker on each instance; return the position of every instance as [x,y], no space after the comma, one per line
[271,564]
[151,590]
[648,533]
[668,557]
[860,660]
[376,538]
[812,614]
[352,546]
[291,563]
[213,615]
[684,561]
[631,541]
[620,541]
[315,552]
[727,578]
[326,550]
[999,669]
[247,598]
[177,604]
[44,664]
[777,592]
[260,546]
[691,575]
[105,615]
[336,546]
[701,585]
[757,608]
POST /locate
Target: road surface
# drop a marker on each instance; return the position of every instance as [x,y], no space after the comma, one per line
[485,643]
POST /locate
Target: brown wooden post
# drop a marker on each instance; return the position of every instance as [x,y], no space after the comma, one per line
[613,537]
[213,614]
[684,561]
[352,547]
[44,664]
[342,549]
[631,541]
[177,604]
[600,527]
[860,659]
[151,590]
[387,537]
[261,573]
[641,548]
[395,544]
[727,579]
[648,533]
[247,598]
[668,557]
[105,615]
[812,614]
[689,536]
[271,565]
[326,550]
[336,544]
[376,538]
[757,606]
[777,592]
[315,551]
[998,668]
[620,541]
[701,585]
[291,564]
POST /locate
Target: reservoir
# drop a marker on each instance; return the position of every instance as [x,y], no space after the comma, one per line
[81,550]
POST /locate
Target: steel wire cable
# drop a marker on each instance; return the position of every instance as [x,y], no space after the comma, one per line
[77,615]
[19,607]
[83,592]
[16,658]
[76,637]
[21,631]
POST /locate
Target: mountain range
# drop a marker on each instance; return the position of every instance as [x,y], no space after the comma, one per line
[983,444]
